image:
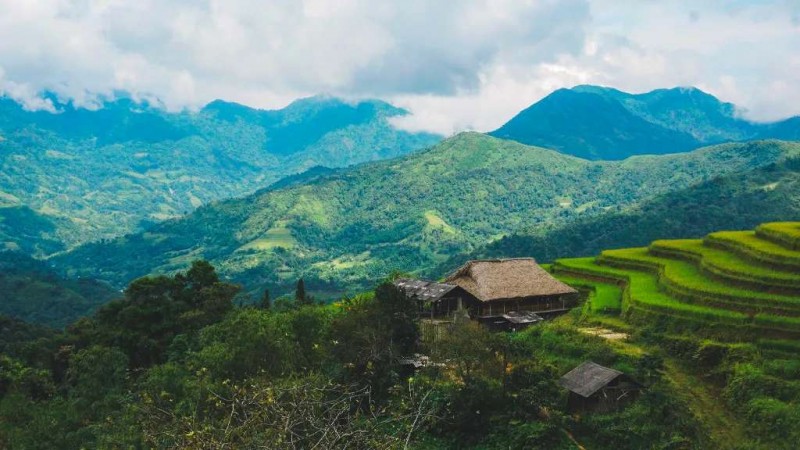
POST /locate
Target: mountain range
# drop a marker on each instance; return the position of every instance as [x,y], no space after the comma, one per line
[342,230]
[97,174]
[270,196]
[601,123]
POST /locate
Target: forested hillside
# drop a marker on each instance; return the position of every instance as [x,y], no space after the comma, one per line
[736,201]
[342,230]
[96,174]
[33,292]
[595,122]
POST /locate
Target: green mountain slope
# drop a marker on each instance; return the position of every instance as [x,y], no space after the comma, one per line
[602,123]
[99,174]
[735,201]
[25,230]
[33,292]
[343,230]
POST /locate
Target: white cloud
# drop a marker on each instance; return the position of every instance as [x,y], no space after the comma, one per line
[465,65]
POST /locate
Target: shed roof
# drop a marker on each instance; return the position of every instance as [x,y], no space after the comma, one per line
[522,317]
[424,290]
[588,378]
[500,279]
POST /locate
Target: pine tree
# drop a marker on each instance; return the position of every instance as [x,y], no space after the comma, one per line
[266,303]
[300,293]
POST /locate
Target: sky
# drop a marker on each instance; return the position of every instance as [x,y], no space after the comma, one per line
[455,65]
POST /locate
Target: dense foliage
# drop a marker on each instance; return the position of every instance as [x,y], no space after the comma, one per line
[96,174]
[603,123]
[341,230]
[732,202]
[34,292]
[176,364]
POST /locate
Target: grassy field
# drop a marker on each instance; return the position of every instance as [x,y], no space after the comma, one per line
[685,280]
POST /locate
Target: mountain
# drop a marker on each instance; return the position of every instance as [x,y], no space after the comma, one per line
[31,291]
[735,201]
[23,229]
[602,123]
[345,229]
[96,174]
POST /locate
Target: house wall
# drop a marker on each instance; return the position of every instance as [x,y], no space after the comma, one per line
[534,304]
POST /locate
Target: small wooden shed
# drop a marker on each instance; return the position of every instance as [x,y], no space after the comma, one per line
[597,388]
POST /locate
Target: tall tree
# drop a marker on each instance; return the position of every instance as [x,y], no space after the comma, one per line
[300,296]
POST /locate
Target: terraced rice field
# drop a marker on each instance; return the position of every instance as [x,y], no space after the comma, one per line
[745,284]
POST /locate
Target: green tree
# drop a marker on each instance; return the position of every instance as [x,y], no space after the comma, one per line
[154,311]
[372,335]
[300,296]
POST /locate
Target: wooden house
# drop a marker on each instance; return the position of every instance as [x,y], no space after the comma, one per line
[434,300]
[593,387]
[502,286]
[507,294]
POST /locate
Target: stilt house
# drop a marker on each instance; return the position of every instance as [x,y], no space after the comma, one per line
[501,293]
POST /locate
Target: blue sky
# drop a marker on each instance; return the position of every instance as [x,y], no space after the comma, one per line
[460,65]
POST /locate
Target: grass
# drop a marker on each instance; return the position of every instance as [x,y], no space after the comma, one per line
[274,237]
[750,246]
[724,427]
[436,222]
[603,297]
[685,281]
[786,234]
[726,265]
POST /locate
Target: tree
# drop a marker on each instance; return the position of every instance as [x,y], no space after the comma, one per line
[373,334]
[300,296]
[266,303]
[154,311]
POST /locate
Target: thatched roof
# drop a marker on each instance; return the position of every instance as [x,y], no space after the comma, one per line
[423,290]
[588,378]
[504,279]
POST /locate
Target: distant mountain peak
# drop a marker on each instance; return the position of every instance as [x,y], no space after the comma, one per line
[599,122]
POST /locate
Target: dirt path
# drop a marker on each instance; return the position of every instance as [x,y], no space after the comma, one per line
[725,429]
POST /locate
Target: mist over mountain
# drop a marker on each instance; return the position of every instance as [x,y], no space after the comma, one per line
[601,123]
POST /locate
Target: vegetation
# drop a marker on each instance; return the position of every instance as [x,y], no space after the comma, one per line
[176,364]
[734,201]
[728,267]
[748,245]
[341,230]
[594,122]
[787,234]
[33,292]
[678,288]
[97,174]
